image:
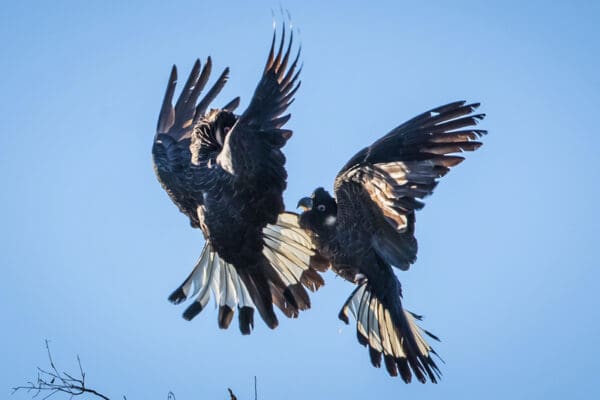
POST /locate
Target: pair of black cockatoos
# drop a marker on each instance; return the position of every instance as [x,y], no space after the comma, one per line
[225,171]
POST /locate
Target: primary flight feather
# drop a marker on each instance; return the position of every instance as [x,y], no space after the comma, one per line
[226,173]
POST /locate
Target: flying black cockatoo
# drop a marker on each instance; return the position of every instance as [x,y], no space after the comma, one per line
[369,227]
[226,173]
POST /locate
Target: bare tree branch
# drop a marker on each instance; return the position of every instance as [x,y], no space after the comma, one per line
[51,382]
[231,395]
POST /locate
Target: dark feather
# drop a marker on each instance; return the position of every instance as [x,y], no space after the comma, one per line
[312,280]
[375,357]
[193,309]
[404,369]
[246,319]
[261,295]
[184,108]
[390,365]
[225,316]
[213,92]
[232,105]
[301,298]
[167,116]
[177,296]
[202,81]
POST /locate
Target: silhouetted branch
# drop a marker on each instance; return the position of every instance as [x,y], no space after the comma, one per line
[231,395]
[52,381]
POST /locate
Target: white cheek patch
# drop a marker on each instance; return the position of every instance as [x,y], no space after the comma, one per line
[330,220]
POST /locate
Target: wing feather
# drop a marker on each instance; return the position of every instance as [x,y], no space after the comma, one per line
[167,113]
[171,151]
[252,148]
[393,174]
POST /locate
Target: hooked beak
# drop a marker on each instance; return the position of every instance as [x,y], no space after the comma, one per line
[306,203]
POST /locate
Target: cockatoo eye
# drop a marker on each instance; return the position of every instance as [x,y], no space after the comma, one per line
[321,207]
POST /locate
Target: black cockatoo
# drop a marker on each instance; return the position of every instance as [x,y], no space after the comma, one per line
[369,227]
[226,173]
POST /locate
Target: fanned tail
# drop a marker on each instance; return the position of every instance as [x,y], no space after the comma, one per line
[291,254]
[289,263]
[211,273]
[391,332]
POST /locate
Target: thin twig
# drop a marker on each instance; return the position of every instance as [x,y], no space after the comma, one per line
[231,395]
[52,382]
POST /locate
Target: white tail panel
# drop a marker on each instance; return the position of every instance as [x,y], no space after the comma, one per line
[400,340]
[288,248]
[212,274]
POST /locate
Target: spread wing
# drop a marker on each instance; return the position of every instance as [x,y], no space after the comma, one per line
[178,121]
[252,149]
[388,179]
[171,148]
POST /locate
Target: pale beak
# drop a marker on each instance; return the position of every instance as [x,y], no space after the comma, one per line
[306,203]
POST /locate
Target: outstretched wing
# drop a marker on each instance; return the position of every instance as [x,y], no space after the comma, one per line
[171,148]
[252,149]
[388,178]
[178,121]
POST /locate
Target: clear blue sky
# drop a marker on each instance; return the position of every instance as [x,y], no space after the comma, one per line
[91,246]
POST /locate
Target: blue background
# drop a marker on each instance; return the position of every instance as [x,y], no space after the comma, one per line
[91,246]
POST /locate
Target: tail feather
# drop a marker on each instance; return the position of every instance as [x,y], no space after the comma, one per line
[312,280]
[260,292]
[300,296]
[291,253]
[290,263]
[195,280]
[290,310]
[211,273]
[246,319]
[225,316]
[391,333]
